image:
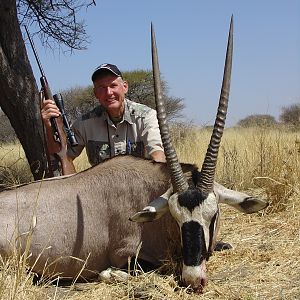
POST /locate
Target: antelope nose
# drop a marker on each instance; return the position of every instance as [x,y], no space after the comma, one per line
[199,285]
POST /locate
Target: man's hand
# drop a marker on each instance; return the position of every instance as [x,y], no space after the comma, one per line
[158,156]
[49,110]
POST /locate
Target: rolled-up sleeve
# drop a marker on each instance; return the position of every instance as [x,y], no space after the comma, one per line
[151,134]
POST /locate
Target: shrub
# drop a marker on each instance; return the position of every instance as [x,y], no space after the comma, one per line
[264,121]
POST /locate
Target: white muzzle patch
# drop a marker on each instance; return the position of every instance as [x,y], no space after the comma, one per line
[195,276]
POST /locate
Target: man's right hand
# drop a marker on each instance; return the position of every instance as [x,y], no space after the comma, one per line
[49,110]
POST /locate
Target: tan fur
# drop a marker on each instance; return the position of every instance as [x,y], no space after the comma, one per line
[86,216]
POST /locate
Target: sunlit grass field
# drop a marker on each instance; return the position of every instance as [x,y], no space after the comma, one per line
[264,262]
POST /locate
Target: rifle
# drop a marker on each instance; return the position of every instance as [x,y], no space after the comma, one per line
[61,130]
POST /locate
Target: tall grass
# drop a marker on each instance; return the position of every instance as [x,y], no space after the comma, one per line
[268,159]
[16,278]
[14,168]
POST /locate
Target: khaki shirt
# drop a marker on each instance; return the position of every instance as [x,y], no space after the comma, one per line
[137,134]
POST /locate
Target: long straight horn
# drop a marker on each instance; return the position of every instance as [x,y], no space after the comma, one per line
[206,178]
[178,180]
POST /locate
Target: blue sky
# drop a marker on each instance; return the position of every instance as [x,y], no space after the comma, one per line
[191,39]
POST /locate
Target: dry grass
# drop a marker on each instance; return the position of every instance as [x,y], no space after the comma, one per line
[14,168]
[264,263]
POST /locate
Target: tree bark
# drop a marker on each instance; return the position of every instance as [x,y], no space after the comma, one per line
[18,89]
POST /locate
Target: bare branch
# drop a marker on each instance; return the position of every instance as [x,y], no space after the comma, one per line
[56,22]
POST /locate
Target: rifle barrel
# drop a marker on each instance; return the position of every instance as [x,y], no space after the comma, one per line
[35,52]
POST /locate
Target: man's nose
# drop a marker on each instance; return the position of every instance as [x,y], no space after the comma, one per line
[109,90]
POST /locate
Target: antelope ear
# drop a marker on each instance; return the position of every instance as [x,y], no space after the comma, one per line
[155,210]
[241,201]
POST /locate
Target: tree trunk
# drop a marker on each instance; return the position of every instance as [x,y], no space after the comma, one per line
[18,89]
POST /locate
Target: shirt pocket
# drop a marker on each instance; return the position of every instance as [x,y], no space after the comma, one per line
[136,149]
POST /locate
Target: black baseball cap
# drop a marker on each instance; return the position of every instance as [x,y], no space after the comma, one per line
[106,67]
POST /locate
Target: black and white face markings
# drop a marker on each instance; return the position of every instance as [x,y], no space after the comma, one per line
[196,214]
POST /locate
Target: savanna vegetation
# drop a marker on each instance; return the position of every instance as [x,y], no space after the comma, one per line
[264,261]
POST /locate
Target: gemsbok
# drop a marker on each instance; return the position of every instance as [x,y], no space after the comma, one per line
[80,223]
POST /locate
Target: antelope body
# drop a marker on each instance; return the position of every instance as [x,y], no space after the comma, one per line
[81,221]
[86,216]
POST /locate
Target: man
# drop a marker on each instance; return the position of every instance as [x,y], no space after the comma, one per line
[116,126]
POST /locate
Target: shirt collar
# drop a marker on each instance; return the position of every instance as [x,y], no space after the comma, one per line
[127,112]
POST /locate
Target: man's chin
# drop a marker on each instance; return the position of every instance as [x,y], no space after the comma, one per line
[112,103]
[114,106]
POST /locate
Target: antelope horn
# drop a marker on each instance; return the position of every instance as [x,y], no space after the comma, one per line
[178,180]
[206,178]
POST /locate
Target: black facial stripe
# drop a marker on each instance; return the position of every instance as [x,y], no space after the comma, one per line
[211,232]
[193,243]
[191,198]
[248,203]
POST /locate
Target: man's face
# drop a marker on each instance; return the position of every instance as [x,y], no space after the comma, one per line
[110,90]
